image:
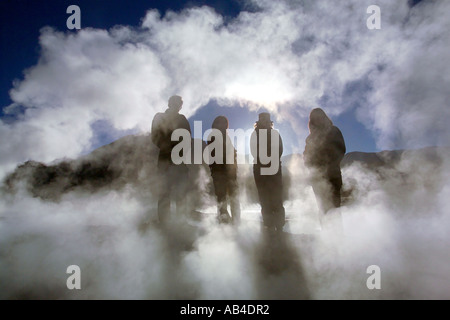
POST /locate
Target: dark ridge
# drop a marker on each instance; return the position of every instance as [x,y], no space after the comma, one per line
[131,160]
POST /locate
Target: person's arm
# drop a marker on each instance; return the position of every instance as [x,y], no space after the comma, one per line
[185,124]
[254,145]
[337,145]
[307,152]
[156,130]
[206,155]
[281,145]
[341,142]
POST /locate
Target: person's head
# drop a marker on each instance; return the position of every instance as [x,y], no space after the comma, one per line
[318,120]
[264,121]
[175,103]
[220,123]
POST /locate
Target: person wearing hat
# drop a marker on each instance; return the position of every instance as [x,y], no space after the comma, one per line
[324,150]
[224,173]
[173,178]
[266,147]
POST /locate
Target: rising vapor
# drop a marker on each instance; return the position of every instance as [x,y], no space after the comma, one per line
[69,206]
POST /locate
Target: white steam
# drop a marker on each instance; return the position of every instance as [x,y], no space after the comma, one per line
[395,218]
[287,57]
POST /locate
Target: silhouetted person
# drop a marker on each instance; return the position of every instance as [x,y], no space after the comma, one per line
[173,178]
[324,150]
[224,173]
[267,147]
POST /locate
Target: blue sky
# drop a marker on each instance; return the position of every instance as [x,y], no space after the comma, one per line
[64,92]
[21,22]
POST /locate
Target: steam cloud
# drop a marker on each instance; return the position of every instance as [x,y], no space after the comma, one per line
[287,57]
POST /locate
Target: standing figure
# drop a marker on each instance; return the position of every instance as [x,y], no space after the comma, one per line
[173,178]
[224,173]
[324,150]
[266,147]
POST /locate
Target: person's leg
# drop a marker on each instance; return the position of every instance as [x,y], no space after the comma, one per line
[278,215]
[259,188]
[164,193]
[336,185]
[330,193]
[220,189]
[265,192]
[180,183]
[278,207]
[233,194]
[322,192]
[332,220]
[327,193]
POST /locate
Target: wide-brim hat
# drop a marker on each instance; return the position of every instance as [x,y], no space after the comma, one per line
[264,117]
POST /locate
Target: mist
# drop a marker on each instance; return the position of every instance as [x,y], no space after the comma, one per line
[61,203]
[286,57]
[393,217]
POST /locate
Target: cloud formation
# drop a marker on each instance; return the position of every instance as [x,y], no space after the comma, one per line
[285,56]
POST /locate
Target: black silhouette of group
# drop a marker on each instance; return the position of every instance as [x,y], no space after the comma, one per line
[324,150]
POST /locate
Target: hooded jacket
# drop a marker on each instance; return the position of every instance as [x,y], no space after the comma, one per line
[325,146]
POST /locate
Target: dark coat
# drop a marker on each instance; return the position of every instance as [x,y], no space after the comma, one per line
[163,125]
[229,168]
[324,151]
[254,139]
[270,187]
